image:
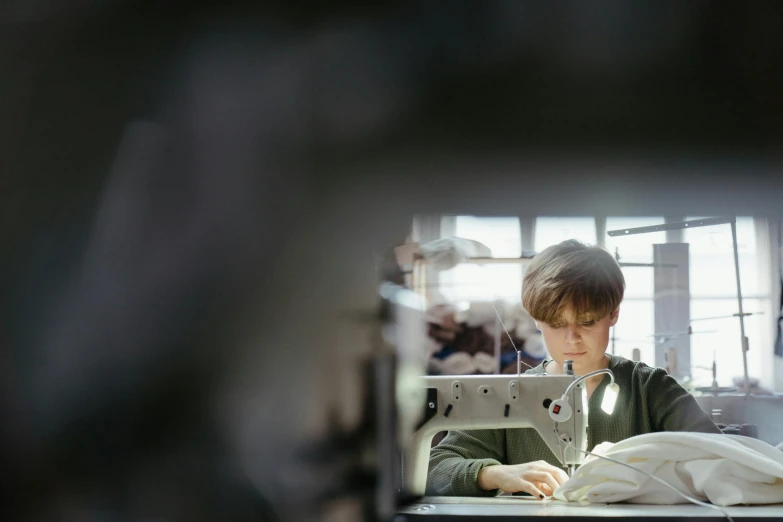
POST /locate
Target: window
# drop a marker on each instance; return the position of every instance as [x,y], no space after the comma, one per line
[720,338]
[713,287]
[637,248]
[468,282]
[635,329]
[553,230]
[712,283]
[636,326]
[712,272]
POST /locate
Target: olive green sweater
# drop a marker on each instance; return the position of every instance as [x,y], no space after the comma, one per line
[650,400]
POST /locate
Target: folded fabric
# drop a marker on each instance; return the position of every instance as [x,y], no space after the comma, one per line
[459,363]
[485,363]
[723,469]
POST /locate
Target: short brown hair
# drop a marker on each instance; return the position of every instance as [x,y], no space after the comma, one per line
[572,273]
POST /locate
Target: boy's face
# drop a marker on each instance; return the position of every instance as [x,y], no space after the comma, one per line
[580,339]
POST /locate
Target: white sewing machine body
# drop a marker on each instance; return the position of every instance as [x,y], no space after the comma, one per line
[476,402]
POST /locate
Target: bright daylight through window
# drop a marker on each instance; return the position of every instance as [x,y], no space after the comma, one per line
[712,282]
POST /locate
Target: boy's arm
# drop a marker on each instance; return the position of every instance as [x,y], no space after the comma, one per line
[457,460]
[672,408]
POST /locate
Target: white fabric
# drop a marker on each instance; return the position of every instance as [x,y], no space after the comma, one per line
[485,363]
[482,313]
[446,253]
[462,363]
[723,469]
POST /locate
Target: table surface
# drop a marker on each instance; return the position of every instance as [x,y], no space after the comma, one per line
[516,508]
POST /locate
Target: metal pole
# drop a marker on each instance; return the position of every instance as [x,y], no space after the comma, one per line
[497,344]
[743,339]
[704,223]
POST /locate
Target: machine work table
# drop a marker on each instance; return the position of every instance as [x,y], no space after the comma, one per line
[461,509]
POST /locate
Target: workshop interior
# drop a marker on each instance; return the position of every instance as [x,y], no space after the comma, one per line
[258,259]
[475,339]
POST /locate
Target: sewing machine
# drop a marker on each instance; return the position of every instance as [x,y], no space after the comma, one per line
[473,402]
[491,402]
[522,401]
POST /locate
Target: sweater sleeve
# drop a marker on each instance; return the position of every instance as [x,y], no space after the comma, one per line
[672,408]
[457,460]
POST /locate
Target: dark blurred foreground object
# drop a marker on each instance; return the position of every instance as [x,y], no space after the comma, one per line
[194,196]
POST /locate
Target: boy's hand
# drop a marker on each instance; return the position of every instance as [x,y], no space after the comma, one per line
[538,478]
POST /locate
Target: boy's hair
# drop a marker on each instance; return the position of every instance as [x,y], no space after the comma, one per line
[572,273]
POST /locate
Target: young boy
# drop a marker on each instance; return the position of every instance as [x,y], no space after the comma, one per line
[573,291]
